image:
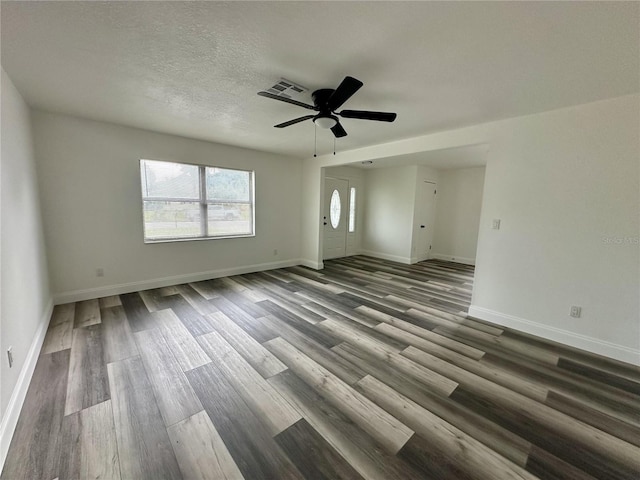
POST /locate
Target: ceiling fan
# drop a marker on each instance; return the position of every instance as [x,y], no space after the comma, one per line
[326,101]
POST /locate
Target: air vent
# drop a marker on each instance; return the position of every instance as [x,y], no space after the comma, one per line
[286,88]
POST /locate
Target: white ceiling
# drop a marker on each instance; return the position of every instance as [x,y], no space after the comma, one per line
[194,68]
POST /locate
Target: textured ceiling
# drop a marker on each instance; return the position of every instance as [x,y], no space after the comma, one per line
[193,68]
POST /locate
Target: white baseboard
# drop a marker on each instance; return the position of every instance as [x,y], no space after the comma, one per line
[453,258]
[590,344]
[312,264]
[385,256]
[10,418]
[98,292]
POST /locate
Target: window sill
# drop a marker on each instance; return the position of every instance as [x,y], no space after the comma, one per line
[148,241]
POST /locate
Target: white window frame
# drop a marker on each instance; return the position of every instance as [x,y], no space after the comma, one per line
[203,203]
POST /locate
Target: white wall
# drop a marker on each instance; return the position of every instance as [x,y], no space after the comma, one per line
[565,185]
[90,188]
[391,230]
[388,215]
[458,214]
[25,297]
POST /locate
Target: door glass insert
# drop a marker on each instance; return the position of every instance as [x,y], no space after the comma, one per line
[334,209]
[352,210]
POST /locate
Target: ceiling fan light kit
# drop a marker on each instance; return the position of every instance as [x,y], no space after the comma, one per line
[326,101]
[325,122]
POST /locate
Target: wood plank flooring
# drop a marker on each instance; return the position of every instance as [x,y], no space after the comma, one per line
[366,369]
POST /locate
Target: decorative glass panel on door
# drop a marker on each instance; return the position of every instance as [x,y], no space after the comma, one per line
[334,209]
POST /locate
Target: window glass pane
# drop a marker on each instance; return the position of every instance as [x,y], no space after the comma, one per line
[334,209]
[229,219]
[171,220]
[228,185]
[169,180]
[352,210]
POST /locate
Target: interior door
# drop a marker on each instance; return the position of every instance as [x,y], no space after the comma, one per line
[426,213]
[335,217]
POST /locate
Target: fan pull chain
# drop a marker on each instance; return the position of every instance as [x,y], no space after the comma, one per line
[334,145]
[315,139]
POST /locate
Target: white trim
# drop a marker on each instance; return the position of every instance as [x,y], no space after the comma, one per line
[10,418]
[385,256]
[89,293]
[312,264]
[453,258]
[590,344]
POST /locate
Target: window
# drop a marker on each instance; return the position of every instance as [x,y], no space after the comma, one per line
[184,202]
[352,209]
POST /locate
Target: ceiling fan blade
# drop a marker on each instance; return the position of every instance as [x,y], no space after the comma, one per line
[294,121]
[338,131]
[287,100]
[366,115]
[348,87]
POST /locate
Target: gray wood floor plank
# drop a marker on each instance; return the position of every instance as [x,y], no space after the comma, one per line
[497,375]
[184,347]
[108,302]
[90,449]
[197,301]
[254,353]
[480,462]
[137,312]
[88,383]
[35,449]
[246,436]
[151,299]
[435,380]
[58,337]
[313,455]
[87,313]
[144,447]
[499,439]
[265,402]
[63,313]
[117,337]
[196,323]
[342,369]
[175,397]
[388,431]
[204,289]
[586,436]
[362,452]
[200,450]
[454,345]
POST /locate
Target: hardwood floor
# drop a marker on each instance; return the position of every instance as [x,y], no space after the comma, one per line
[366,369]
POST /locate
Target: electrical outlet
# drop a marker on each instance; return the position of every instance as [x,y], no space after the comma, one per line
[10,356]
[275,252]
[99,272]
[576,311]
[496,224]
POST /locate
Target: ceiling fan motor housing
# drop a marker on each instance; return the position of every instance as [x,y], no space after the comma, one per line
[321,99]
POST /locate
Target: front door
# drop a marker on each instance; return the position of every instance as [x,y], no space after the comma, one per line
[335,218]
